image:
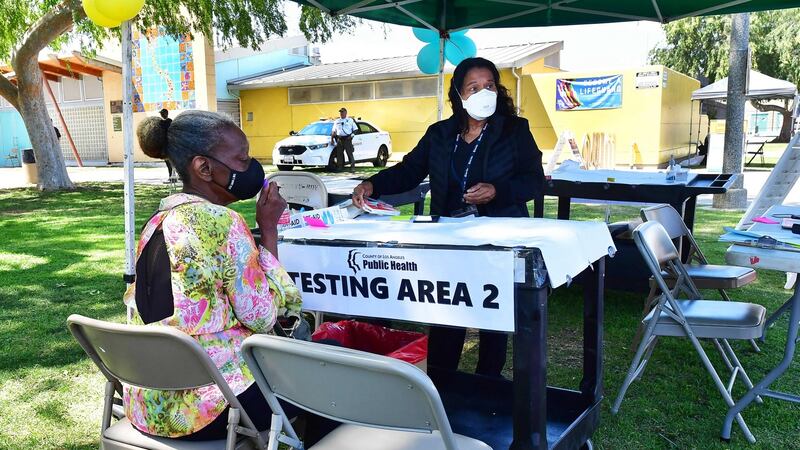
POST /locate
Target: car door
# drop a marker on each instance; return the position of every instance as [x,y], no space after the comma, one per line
[369,143]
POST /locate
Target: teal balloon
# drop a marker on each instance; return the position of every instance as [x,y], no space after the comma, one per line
[426,34]
[458,33]
[459,48]
[428,59]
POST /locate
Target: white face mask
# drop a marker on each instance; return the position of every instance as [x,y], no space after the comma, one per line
[480,105]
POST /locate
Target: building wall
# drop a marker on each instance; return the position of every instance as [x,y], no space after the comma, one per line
[657,120]
[406,119]
[680,117]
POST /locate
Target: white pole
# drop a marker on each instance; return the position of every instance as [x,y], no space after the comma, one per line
[127,139]
[440,85]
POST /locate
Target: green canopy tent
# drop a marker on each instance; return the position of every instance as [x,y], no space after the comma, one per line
[447,16]
[454,15]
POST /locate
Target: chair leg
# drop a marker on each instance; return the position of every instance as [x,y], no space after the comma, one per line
[233,422]
[723,355]
[646,358]
[720,386]
[636,366]
[742,373]
[648,304]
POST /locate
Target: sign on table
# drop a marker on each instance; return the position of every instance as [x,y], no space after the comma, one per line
[465,288]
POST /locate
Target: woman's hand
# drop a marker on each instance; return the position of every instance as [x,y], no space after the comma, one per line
[269,208]
[480,194]
[362,191]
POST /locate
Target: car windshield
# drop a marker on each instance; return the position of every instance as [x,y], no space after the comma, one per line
[317,129]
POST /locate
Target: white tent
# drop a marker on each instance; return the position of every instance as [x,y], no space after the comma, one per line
[759,85]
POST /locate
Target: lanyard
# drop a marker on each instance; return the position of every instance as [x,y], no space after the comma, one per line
[471,156]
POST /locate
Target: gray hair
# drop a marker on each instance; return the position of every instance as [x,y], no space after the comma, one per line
[192,133]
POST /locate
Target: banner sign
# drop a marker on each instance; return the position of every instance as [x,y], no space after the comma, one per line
[589,93]
[463,288]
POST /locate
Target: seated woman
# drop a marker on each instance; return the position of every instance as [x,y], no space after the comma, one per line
[199,270]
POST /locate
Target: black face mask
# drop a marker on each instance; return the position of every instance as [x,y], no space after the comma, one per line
[244,185]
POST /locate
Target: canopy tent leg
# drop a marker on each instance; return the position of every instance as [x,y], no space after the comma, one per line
[127,139]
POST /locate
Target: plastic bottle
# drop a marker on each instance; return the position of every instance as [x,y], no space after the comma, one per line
[671,172]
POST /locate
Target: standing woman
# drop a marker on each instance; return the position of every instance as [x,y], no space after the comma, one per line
[483,161]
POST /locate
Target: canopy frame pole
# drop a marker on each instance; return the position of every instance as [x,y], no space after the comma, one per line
[127,139]
[658,11]
[440,82]
[708,10]
[361,7]
[603,13]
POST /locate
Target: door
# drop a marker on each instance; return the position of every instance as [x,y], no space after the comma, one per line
[369,142]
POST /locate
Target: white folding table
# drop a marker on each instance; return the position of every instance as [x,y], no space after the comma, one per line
[783,259]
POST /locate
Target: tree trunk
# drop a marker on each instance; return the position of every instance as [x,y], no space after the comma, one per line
[50,163]
[31,105]
[786,113]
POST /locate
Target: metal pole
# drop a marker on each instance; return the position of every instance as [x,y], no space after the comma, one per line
[127,139]
[736,197]
[440,83]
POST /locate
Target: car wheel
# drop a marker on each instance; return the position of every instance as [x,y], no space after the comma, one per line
[284,167]
[331,162]
[383,156]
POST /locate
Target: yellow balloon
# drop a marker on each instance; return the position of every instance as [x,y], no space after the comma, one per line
[121,10]
[90,6]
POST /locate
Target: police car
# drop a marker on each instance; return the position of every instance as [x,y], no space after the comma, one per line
[312,146]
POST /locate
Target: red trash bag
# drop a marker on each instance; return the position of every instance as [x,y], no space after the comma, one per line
[408,346]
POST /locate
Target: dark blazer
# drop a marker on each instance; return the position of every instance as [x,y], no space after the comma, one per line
[512,163]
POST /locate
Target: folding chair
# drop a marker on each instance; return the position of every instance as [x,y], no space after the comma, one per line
[161,358]
[703,274]
[695,319]
[301,189]
[382,402]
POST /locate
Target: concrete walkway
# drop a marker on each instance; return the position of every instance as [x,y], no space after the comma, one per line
[15,178]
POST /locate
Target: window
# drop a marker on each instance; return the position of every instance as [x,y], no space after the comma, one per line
[54,87]
[92,88]
[361,91]
[420,87]
[364,128]
[299,96]
[330,93]
[302,51]
[316,94]
[71,89]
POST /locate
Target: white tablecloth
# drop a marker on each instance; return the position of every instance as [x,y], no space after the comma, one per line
[568,247]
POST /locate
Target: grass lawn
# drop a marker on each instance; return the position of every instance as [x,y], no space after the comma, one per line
[63,253]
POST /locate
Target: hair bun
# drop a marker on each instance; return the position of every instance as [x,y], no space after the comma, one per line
[152,135]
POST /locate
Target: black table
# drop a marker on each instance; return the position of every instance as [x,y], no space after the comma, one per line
[520,414]
[682,197]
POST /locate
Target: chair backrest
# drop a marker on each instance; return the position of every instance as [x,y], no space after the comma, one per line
[153,357]
[347,385]
[675,227]
[301,189]
[660,254]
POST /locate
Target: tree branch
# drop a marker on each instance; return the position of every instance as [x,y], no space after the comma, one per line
[766,107]
[53,24]
[9,91]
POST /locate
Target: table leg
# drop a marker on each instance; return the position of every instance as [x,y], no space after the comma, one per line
[563,207]
[593,295]
[419,207]
[530,369]
[762,388]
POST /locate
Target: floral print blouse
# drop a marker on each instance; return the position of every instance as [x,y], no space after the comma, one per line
[224,289]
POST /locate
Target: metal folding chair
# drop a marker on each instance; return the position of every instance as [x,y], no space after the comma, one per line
[161,358]
[694,319]
[301,189]
[382,402]
[703,274]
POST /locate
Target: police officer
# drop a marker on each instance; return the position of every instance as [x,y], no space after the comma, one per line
[342,137]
